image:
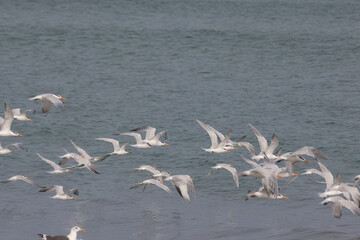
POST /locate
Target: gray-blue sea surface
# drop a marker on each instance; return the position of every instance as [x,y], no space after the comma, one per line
[287,67]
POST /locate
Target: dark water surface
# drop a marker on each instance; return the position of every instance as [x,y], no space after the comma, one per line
[287,67]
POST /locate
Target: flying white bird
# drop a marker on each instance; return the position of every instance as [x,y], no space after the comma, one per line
[265,149]
[262,193]
[57,168]
[338,202]
[20,178]
[228,167]
[296,156]
[183,185]
[216,147]
[118,150]
[80,159]
[148,182]
[356,180]
[6,150]
[150,136]
[60,194]
[5,129]
[49,99]
[268,172]
[21,116]
[140,143]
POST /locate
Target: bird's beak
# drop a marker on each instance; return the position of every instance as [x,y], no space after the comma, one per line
[154,167]
[19,135]
[161,181]
[235,148]
[92,165]
[30,120]
[230,165]
[73,198]
[83,156]
[227,150]
[12,150]
[128,153]
[166,144]
[69,170]
[170,174]
[294,174]
[307,161]
[284,197]
[62,98]
[27,177]
[82,229]
[279,176]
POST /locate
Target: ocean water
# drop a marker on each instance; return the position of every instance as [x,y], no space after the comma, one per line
[287,67]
